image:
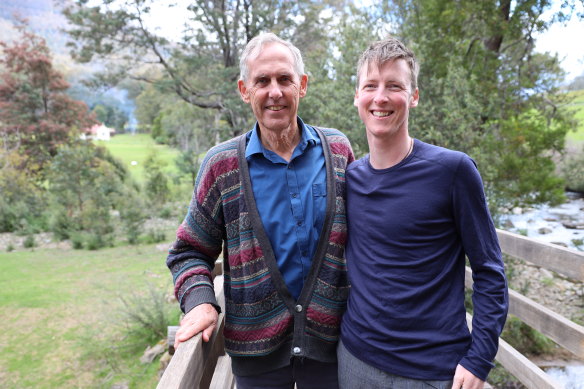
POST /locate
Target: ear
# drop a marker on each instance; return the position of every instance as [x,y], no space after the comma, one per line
[303,85]
[243,91]
[414,99]
[356,98]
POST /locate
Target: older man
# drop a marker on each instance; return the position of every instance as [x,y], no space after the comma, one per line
[273,198]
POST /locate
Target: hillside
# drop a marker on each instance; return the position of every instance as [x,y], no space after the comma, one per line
[44,18]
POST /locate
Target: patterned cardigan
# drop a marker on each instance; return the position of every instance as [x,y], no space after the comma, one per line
[262,319]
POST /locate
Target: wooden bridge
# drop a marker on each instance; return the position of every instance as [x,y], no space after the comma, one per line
[204,365]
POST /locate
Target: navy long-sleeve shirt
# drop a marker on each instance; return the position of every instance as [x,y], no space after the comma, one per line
[410,227]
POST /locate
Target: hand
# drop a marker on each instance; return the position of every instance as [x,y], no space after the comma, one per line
[465,379]
[201,318]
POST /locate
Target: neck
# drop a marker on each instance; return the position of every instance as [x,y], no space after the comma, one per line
[282,142]
[385,153]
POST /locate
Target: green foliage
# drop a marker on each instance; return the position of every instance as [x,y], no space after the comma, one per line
[157,183]
[132,212]
[154,236]
[484,91]
[525,339]
[524,171]
[499,377]
[61,316]
[36,115]
[85,185]
[575,106]
[147,314]
[110,115]
[22,202]
[572,170]
[331,87]
[29,242]
[483,88]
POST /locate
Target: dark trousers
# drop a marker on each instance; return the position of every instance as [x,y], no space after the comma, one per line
[305,373]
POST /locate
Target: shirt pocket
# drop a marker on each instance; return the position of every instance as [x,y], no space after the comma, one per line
[319,204]
[318,190]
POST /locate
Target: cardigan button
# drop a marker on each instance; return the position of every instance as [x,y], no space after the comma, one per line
[296,350]
[298,308]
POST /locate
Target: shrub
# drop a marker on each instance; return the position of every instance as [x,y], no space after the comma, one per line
[22,202]
[157,184]
[525,339]
[572,172]
[85,184]
[29,242]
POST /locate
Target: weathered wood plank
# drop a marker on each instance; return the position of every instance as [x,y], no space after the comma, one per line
[223,377]
[567,262]
[522,368]
[187,366]
[564,332]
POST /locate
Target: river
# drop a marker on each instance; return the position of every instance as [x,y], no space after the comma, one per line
[562,224]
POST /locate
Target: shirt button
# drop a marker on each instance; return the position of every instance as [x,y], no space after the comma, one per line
[299,224]
[298,308]
[294,195]
[297,350]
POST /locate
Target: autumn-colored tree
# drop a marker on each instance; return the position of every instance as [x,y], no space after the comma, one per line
[36,115]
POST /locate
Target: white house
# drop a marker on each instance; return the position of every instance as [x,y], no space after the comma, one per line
[98,132]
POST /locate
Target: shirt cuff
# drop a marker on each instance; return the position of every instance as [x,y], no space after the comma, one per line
[478,366]
[201,295]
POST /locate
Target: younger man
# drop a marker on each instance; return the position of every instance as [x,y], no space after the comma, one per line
[415,211]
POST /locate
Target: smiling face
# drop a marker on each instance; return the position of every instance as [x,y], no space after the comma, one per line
[384,98]
[273,89]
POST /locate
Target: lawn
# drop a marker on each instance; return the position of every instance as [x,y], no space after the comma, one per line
[134,149]
[62,314]
[578,106]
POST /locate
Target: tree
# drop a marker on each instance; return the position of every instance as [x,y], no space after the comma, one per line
[110,115]
[36,115]
[85,184]
[331,85]
[481,85]
[202,69]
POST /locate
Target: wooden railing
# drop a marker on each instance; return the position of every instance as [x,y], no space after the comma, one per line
[567,334]
[196,364]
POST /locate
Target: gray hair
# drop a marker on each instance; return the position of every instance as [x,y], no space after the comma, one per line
[389,49]
[253,47]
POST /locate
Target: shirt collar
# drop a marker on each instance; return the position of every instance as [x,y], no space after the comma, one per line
[255,146]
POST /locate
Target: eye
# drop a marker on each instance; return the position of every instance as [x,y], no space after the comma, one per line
[369,86]
[262,81]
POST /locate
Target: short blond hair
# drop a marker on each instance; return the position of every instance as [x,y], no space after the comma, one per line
[387,50]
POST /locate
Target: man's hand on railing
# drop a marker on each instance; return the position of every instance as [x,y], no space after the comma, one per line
[201,318]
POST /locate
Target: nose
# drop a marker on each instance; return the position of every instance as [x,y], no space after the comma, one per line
[275,92]
[381,96]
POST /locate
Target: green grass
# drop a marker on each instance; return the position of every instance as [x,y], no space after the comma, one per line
[578,105]
[61,313]
[137,148]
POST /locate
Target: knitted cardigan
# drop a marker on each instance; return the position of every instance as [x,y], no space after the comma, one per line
[262,319]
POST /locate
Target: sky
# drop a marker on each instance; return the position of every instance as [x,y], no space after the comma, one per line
[568,42]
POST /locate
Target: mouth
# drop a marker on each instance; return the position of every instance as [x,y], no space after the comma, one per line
[381,114]
[275,107]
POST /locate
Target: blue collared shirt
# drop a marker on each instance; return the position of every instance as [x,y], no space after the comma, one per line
[291,200]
